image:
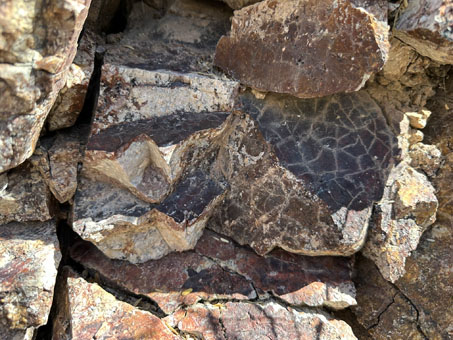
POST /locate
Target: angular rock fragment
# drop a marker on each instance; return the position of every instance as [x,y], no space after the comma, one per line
[71,98]
[248,321]
[305,48]
[408,207]
[29,259]
[39,41]
[24,195]
[220,269]
[335,154]
[426,25]
[86,311]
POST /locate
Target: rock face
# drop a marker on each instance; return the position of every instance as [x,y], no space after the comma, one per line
[220,269]
[35,52]
[29,259]
[426,26]
[240,320]
[304,47]
[87,311]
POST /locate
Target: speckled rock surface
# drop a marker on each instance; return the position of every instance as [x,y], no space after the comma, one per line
[29,258]
[35,52]
[281,46]
[426,26]
[220,269]
[87,311]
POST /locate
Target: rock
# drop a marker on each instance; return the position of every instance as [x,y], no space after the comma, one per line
[35,52]
[220,269]
[24,195]
[238,320]
[418,119]
[86,311]
[408,207]
[426,26]
[29,259]
[57,164]
[426,157]
[280,46]
[71,98]
[238,4]
[334,157]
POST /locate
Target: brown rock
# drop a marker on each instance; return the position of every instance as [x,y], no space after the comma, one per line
[29,258]
[24,195]
[220,269]
[86,311]
[426,157]
[238,320]
[305,48]
[38,44]
[238,4]
[426,26]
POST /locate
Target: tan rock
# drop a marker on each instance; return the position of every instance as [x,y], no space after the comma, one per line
[280,46]
[29,259]
[426,157]
[86,311]
[418,119]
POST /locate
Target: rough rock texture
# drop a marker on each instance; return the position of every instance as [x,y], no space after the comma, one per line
[237,320]
[24,195]
[35,52]
[86,311]
[305,48]
[29,258]
[426,26]
[220,269]
[335,155]
[238,4]
[71,98]
[408,207]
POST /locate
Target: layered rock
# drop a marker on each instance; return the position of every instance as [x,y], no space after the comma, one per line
[35,52]
[426,26]
[86,311]
[29,259]
[305,48]
[238,320]
[220,269]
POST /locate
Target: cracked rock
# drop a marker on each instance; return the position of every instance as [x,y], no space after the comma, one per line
[426,26]
[29,259]
[305,48]
[86,311]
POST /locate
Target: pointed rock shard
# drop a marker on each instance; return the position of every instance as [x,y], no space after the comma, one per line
[29,259]
[306,48]
[313,192]
[426,25]
[86,311]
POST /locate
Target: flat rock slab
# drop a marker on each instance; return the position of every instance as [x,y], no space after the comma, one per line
[220,269]
[334,156]
[247,321]
[29,259]
[426,26]
[86,311]
[306,48]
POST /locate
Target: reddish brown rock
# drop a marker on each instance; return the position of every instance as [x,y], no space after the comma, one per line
[220,269]
[426,26]
[305,48]
[269,320]
[29,259]
[38,43]
[86,311]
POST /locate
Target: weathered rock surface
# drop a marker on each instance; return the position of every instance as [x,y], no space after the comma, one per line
[86,311]
[220,269]
[35,52]
[29,259]
[426,26]
[238,4]
[24,195]
[238,320]
[305,48]
[408,207]
[335,155]
[71,98]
